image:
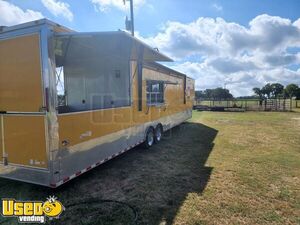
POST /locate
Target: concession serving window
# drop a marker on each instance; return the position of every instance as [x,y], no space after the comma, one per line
[93,69]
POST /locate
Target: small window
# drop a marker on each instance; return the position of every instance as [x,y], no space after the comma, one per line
[155,92]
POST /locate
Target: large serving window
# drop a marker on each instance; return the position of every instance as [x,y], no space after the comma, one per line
[92,73]
[93,69]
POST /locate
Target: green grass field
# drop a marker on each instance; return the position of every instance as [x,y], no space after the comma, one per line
[217,168]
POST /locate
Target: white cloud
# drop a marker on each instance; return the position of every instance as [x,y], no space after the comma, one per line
[240,83]
[225,52]
[231,65]
[297,23]
[217,7]
[217,37]
[58,8]
[282,59]
[12,14]
[105,5]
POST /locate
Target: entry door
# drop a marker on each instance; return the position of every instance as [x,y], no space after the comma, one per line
[23,126]
[24,140]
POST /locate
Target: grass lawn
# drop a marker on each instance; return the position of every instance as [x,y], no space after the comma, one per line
[217,168]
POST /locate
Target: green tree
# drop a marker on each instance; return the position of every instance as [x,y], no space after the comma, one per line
[292,90]
[208,93]
[221,93]
[267,90]
[277,89]
[258,92]
[217,93]
[199,94]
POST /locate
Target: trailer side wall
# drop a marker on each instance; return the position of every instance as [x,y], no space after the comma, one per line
[91,137]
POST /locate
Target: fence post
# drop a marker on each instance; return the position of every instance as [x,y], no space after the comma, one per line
[265,105]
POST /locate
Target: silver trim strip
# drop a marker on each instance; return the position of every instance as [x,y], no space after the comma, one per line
[2,136]
[43,42]
[23,113]
[96,110]
[35,168]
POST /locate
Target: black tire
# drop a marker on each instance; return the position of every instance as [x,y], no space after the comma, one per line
[158,133]
[150,136]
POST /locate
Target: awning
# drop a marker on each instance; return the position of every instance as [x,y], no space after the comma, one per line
[90,44]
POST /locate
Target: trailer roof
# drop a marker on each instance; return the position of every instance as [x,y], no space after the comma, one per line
[4,29]
[148,53]
[116,39]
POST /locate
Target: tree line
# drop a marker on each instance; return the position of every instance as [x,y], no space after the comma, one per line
[277,90]
[214,94]
[270,90]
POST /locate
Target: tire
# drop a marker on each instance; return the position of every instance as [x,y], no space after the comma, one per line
[150,136]
[158,133]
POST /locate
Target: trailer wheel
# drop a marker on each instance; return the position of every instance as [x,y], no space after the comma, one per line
[158,133]
[150,135]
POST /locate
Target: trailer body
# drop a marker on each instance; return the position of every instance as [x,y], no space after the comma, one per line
[70,101]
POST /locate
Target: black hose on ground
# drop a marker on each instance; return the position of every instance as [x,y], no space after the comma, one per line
[89,201]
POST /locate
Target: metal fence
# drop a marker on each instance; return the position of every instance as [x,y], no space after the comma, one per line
[295,103]
[249,104]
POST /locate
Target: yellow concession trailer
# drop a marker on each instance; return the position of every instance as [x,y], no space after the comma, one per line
[70,101]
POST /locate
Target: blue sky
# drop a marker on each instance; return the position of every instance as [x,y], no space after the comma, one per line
[152,15]
[240,43]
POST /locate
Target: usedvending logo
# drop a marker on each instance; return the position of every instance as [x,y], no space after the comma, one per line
[32,211]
